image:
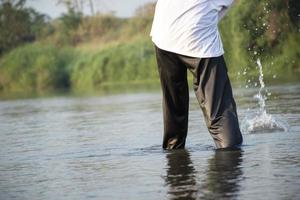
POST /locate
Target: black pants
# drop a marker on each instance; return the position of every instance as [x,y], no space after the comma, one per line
[213,91]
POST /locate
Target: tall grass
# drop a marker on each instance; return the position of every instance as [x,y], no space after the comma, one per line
[35,68]
[121,64]
[43,68]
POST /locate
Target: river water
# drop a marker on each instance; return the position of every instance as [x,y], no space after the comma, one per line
[109,147]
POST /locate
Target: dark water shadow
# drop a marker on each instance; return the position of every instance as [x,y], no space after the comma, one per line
[221,180]
[180,178]
[223,175]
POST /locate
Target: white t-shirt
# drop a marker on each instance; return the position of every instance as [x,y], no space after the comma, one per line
[189,27]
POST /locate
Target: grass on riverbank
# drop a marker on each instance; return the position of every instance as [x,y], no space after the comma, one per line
[43,68]
[39,68]
[91,52]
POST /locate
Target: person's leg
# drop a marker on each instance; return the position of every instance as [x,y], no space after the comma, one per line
[173,77]
[214,93]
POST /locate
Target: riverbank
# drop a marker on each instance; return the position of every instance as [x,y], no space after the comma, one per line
[102,50]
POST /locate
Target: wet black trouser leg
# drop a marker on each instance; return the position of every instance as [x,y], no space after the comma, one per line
[213,91]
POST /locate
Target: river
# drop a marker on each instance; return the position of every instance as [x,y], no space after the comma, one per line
[109,147]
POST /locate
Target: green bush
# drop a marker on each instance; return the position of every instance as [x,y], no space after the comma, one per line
[124,63]
[18,24]
[271,33]
[36,68]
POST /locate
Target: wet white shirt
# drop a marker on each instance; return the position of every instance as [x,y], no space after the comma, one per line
[189,27]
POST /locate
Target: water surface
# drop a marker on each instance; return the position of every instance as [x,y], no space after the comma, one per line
[108,147]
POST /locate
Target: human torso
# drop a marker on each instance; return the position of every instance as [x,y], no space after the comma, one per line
[188,27]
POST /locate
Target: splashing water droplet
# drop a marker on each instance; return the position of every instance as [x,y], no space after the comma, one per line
[261,121]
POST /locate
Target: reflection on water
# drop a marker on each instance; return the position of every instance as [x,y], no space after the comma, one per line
[180,177]
[223,175]
[109,147]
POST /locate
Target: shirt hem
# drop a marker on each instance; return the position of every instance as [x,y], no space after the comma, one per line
[190,54]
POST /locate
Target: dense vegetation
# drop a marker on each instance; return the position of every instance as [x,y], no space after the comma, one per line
[87,52]
[266,29]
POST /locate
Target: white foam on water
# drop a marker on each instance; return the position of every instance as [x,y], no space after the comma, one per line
[260,121]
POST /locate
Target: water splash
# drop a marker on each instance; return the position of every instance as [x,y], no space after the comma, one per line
[261,121]
[260,97]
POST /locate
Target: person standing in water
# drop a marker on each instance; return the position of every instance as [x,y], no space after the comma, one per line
[186,37]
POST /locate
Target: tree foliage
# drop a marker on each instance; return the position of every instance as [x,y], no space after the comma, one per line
[18,24]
